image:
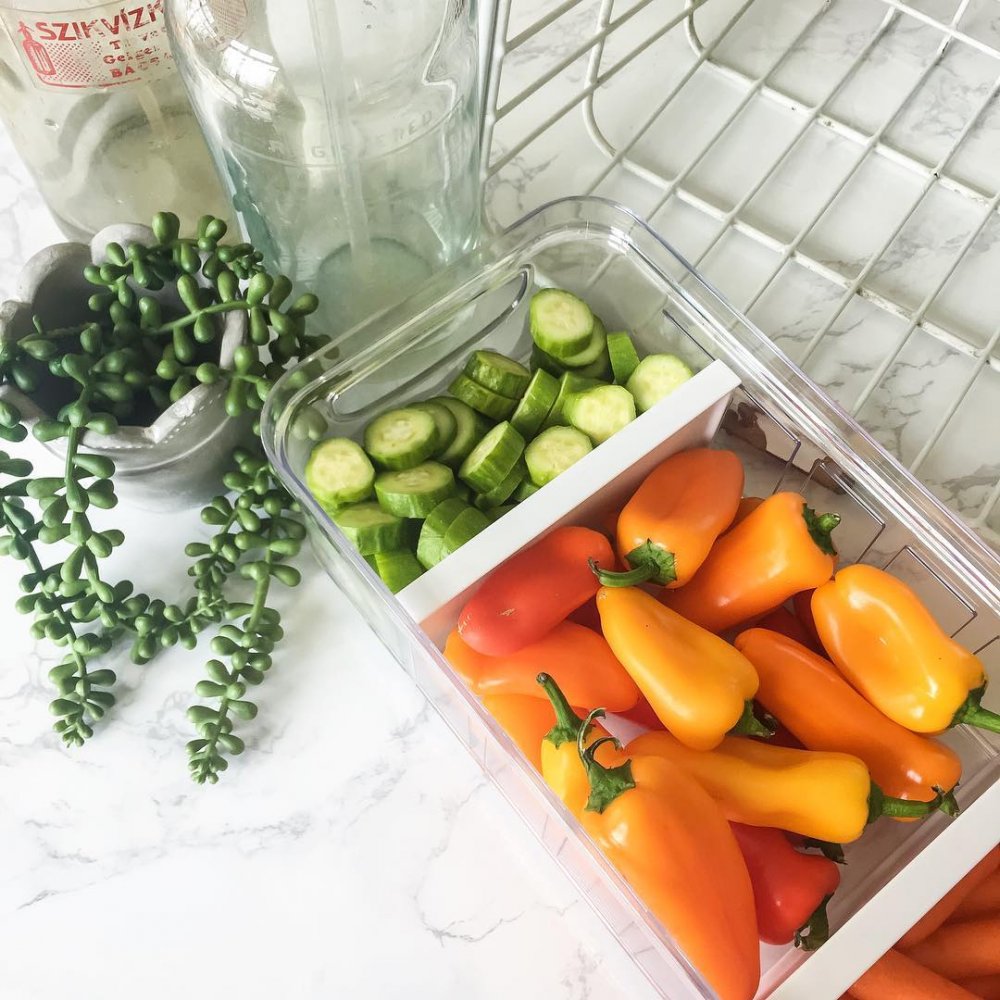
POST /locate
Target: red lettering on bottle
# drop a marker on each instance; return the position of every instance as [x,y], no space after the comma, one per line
[137,13]
[112,26]
[45,31]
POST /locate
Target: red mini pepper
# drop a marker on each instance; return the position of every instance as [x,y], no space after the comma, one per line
[790,890]
[533,591]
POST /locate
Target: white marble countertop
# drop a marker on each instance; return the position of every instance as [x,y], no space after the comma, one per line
[355,850]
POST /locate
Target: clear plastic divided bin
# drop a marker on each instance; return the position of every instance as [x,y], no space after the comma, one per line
[745,396]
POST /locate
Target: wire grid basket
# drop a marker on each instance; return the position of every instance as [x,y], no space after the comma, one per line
[832,167]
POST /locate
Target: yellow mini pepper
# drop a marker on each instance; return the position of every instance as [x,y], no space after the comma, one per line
[698,685]
[888,645]
[825,796]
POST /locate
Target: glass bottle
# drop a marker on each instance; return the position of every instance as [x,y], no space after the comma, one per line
[97,111]
[348,132]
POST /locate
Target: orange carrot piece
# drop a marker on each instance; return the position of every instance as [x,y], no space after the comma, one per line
[896,977]
[961,951]
[982,902]
[949,902]
[986,987]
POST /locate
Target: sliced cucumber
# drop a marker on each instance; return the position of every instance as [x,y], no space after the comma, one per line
[397,569]
[339,472]
[554,451]
[599,369]
[401,439]
[491,461]
[495,513]
[600,412]
[444,421]
[561,324]
[465,527]
[545,362]
[468,429]
[596,346]
[503,491]
[655,378]
[372,529]
[485,401]
[535,404]
[525,490]
[415,492]
[498,372]
[569,384]
[624,357]
[430,545]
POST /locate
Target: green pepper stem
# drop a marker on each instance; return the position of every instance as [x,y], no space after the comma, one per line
[749,725]
[649,561]
[628,578]
[816,930]
[820,528]
[880,804]
[568,725]
[973,714]
[606,783]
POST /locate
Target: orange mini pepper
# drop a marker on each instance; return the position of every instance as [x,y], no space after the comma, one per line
[579,659]
[698,685]
[747,506]
[780,548]
[824,796]
[525,718]
[669,525]
[824,712]
[888,645]
[672,844]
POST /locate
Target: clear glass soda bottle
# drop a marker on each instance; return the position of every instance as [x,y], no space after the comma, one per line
[97,111]
[348,132]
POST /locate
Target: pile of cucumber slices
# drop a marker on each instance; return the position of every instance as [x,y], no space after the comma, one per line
[503,431]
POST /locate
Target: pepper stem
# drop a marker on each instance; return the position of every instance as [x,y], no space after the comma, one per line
[568,725]
[816,930]
[880,804]
[649,561]
[749,725]
[820,528]
[606,783]
[973,714]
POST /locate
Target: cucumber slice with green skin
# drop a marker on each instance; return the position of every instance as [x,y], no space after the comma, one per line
[561,324]
[495,513]
[498,372]
[525,490]
[600,412]
[444,421]
[468,430]
[401,439]
[599,369]
[569,384]
[372,529]
[595,348]
[491,461]
[655,378]
[485,401]
[624,356]
[545,362]
[415,492]
[464,528]
[554,451]
[397,569]
[542,391]
[339,473]
[430,545]
[503,491]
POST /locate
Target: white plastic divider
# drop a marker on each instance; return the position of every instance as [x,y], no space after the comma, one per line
[687,418]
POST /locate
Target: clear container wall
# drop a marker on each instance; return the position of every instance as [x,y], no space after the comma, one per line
[348,133]
[789,435]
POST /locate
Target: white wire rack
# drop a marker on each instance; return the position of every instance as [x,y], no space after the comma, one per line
[833,166]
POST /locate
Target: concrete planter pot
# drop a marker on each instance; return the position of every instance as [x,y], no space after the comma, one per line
[178,460]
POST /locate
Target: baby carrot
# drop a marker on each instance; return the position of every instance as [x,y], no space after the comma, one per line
[960,951]
[947,904]
[986,987]
[896,977]
[985,900]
